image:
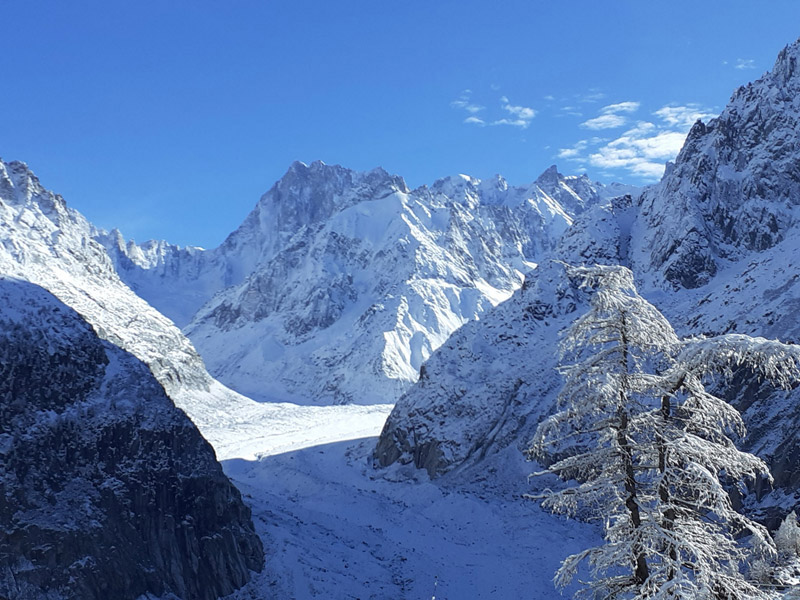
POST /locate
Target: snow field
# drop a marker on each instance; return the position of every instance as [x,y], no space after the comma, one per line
[334,527]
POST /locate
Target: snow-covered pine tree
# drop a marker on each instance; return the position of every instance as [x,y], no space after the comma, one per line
[787,538]
[651,451]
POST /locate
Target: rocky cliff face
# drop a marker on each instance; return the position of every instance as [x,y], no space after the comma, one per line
[339,285]
[714,246]
[48,243]
[734,187]
[108,490]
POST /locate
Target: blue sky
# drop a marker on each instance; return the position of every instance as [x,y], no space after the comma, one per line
[170,119]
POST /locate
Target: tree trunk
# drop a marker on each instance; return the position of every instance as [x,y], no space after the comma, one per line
[641,571]
[668,516]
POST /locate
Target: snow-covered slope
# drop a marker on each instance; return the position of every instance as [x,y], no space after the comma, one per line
[45,242]
[339,285]
[714,246]
[108,490]
[494,379]
[344,533]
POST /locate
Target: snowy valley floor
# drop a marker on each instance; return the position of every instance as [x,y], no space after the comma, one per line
[334,527]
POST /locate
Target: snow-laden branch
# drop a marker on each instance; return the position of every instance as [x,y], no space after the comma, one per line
[640,441]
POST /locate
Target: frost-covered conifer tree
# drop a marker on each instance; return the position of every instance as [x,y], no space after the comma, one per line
[787,538]
[651,451]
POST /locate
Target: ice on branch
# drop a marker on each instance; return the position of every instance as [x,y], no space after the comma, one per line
[649,451]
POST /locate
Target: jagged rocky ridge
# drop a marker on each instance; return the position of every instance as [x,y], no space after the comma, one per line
[44,241]
[108,490]
[715,246]
[494,379]
[734,188]
[339,285]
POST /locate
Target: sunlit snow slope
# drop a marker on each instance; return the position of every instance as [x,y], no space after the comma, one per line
[339,285]
[47,243]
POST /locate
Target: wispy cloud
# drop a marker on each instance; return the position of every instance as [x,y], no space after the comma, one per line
[620,107]
[572,111]
[641,149]
[605,122]
[513,114]
[683,117]
[519,116]
[575,152]
[593,95]
[464,102]
[612,116]
[745,63]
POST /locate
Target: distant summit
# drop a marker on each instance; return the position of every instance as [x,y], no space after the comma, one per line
[351,279]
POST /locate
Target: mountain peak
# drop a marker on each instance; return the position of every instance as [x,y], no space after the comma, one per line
[339,176]
[786,65]
[549,176]
[733,187]
[20,171]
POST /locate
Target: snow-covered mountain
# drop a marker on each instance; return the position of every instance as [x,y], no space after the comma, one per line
[715,246]
[339,285]
[734,188]
[494,379]
[44,241]
[108,490]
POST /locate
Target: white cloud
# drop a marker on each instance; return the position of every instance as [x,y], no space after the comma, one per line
[605,122]
[684,116]
[576,152]
[516,115]
[519,116]
[523,112]
[464,102]
[745,63]
[643,148]
[620,107]
[593,95]
[572,111]
[664,146]
[549,98]
[642,129]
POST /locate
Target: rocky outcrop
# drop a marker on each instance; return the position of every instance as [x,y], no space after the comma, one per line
[44,241]
[734,186]
[107,489]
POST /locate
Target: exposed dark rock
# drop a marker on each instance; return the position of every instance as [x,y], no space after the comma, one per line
[106,489]
[734,184]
